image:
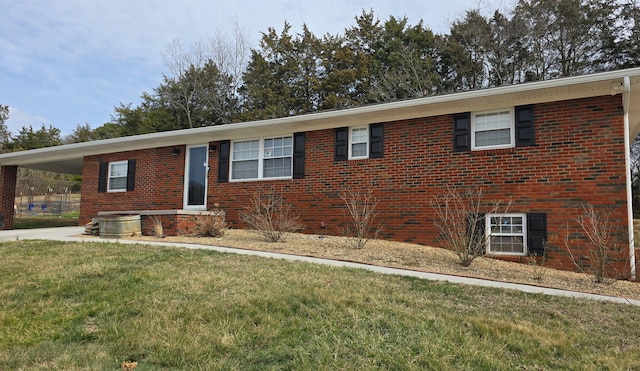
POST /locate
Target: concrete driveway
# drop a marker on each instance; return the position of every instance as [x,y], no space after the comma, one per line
[74,234]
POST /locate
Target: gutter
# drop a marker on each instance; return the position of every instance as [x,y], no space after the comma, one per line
[627,159]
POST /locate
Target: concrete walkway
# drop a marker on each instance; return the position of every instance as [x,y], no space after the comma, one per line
[69,233]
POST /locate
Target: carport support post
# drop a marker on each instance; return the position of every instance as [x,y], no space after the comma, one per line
[8,175]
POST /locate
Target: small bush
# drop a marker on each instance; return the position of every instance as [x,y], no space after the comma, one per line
[212,224]
[158,230]
[460,218]
[601,252]
[270,216]
[360,214]
[538,262]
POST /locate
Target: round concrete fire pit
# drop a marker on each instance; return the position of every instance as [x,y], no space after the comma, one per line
[119,226]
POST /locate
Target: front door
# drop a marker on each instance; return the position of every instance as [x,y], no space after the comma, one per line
[195,185]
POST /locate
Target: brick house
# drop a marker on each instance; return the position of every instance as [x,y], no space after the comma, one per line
[551,147]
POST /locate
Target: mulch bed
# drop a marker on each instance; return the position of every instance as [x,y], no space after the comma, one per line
[416,257]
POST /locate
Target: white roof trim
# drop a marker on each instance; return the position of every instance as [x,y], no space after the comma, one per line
[68,158]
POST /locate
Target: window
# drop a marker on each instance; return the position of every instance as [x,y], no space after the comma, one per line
[493,129]
[277,157]
[270,158]
[359,142]
[245,159]
[506,234]
[117,180]
[117,176]
[505,128]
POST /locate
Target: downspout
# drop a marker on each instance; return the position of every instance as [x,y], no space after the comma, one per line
[627,160]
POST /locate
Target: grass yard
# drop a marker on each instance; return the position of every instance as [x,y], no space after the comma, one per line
[94,306]
[45,222]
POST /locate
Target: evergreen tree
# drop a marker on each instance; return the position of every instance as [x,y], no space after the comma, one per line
[306,83]
[338,73]
[364,42]
[27,138]
[464,53]
[269,82]
[5,135]
[564,37]
[407,57]
[81,133]
[623,44]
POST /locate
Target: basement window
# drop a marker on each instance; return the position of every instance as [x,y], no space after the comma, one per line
[506,234]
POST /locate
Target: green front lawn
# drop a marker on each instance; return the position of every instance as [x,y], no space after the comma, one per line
[45,222]
[95,305]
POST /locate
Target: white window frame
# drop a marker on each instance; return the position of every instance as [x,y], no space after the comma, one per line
[261,159]
[232,161]
[352,143]
[109,176]
[512,129]
[489,233]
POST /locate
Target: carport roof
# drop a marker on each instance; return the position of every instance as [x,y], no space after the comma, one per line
[68,158]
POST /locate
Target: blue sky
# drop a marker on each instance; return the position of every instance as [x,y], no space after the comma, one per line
[69,62]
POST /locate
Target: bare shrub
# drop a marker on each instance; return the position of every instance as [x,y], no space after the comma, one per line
[597,258]
[538,262]
[158,230]
[211,224]
[361,214]
[460,215]
[270,216]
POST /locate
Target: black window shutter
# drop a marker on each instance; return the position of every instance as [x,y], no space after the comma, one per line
[525,130]
[376,140]
[479,232]
[462,132]
[536,233]
[298,155]
[223,161]
[341,144]
[102,177]
[476,228]
[131,175]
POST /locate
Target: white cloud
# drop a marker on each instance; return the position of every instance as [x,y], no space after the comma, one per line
[19,118]
[72,61]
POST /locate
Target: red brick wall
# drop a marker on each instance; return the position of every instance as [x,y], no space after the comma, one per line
[578,158]
[172,224]
[8,176]
[158,186]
